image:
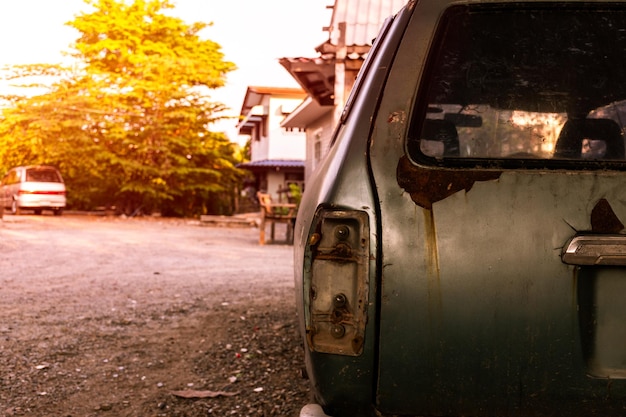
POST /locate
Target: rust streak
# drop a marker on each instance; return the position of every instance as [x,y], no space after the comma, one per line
[432,264]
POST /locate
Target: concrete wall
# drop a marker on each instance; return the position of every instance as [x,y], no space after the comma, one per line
[275,142]
[318,136]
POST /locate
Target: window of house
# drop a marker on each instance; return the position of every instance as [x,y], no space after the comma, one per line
[317,147]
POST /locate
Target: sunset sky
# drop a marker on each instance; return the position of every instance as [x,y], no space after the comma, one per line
[253,34]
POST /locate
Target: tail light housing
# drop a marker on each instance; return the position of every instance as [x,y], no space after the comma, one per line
[336,284]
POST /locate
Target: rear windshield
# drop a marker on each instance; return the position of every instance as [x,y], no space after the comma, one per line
[42,175]
[542,84]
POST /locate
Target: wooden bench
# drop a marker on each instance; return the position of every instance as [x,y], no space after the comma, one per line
[273,213]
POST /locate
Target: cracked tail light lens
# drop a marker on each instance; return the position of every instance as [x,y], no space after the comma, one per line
[337,282]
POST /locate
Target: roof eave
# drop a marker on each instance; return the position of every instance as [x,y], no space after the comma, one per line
[315,76]
[308,111]
[255,94]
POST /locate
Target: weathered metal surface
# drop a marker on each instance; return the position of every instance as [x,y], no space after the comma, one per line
[602,316]
[489,311]
[478,313]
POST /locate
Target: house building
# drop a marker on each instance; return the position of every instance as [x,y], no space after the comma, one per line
[276,153]
[328,78]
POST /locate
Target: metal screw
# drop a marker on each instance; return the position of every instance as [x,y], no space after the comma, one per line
[342,232]
[337,331]
[340,300]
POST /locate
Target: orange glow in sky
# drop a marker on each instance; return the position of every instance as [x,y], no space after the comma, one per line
[253,34]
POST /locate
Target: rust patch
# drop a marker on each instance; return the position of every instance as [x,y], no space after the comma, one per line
[604,219]
[427,186]
[396,117]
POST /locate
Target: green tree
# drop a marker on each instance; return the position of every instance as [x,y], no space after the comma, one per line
[129,125]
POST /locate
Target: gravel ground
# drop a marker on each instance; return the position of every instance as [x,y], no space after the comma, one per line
[145,317]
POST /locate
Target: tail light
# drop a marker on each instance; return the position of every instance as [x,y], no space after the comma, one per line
[337,282]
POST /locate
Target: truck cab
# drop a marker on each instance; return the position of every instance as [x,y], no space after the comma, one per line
[461,251]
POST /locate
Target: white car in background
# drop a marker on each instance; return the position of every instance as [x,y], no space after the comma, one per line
[33,187]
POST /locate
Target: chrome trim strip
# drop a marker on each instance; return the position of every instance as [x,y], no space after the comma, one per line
[595,250]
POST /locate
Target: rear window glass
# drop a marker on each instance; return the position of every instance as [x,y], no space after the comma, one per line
[42,175]
[538,83]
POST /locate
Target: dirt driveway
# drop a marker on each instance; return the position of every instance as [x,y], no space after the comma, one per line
[129,317]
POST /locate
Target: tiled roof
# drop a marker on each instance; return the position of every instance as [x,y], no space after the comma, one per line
[353,26]
[362,18]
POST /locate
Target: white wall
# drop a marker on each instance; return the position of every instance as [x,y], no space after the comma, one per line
[319,131]
[275,181]
[279,144]
[284,144]
[287,145]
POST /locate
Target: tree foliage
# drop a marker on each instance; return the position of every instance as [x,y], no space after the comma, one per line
[129,123]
